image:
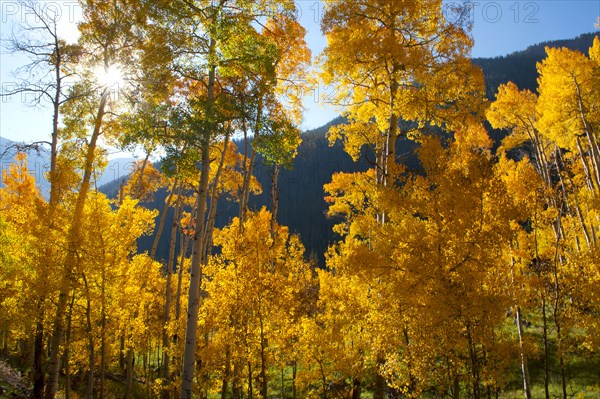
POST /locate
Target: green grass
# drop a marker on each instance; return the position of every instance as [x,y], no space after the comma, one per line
[582,373]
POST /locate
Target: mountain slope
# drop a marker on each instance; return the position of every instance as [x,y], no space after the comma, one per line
[38,163]
[302,207]
[520,67]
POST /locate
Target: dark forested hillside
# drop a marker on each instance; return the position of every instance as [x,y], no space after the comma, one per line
[520,67]
[302,207]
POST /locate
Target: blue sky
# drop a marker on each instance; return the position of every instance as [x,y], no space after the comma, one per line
[500,27]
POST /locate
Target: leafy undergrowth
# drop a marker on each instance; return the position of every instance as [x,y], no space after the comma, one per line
[12,384]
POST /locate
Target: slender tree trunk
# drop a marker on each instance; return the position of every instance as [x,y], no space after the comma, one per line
[164,371]
[250,393]
[68,349]
[38,360]
[166,341]
[226,373]
[129,374]
[594,149]
[246,191]
[590,240]
[161,221]
[275,197]
[455,387]
[540,159]
[245,195]
[147,371]
[248,170]
[559,340]
[189,354]
[546,352]
[140,181]
[282,383]
[55,58]
[474,365]
[389,145]
[56,102]
[379,173]
[563,377]
[264,382]
[182,254]
[71,259]
[122,364]
[324,379]
[102,344]
[214,200]
[409,363]
[90,337]
[294,368]
[524,366]
[586,167]
[557,321]
[584,228]
[183,251]
[38,383]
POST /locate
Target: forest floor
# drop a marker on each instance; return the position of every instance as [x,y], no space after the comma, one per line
[12,384]
[583,382]
[582,377]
